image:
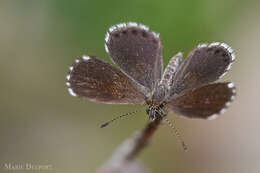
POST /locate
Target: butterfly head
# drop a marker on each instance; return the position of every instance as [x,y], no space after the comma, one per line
[156,111]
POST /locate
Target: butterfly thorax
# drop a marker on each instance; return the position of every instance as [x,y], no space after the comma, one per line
[159,94]
[156,102]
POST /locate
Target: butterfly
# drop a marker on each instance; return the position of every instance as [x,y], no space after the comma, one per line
[185,87]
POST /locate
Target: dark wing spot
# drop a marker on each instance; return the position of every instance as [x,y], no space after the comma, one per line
[217,51]
[210,49]
[144,34]
[116,35]
[134,31]
[154,41]
[226,57]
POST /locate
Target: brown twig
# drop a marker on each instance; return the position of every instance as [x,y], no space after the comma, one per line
[123,159]
[143,138]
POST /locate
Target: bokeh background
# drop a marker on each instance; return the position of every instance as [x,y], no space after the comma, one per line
[40,123]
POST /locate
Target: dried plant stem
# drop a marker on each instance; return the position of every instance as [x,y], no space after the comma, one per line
[143,138]
[123,159]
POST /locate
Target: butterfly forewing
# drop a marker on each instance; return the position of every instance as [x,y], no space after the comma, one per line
[137,51]
[206,102]
[97,80]
[204,65]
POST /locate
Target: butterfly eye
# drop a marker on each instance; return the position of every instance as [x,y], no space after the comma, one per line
[148,110]
[156,113]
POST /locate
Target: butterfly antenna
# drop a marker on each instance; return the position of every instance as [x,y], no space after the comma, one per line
[185,148]
[118,117]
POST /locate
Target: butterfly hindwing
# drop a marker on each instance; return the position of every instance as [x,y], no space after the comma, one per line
[206,102]
[204,65]
[92,78]
[170,70]
[137,51]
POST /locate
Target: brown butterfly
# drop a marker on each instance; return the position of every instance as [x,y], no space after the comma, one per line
[185,87]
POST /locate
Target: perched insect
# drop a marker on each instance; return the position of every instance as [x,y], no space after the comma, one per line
[185,88]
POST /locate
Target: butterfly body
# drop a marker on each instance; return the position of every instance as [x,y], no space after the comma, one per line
[184,87]
[156,102]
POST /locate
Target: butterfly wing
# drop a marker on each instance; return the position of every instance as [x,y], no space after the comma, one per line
[137,51]
[206,102]
[92,78]
[204,65]
[170,70]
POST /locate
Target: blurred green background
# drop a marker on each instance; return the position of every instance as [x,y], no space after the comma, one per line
[40,123]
